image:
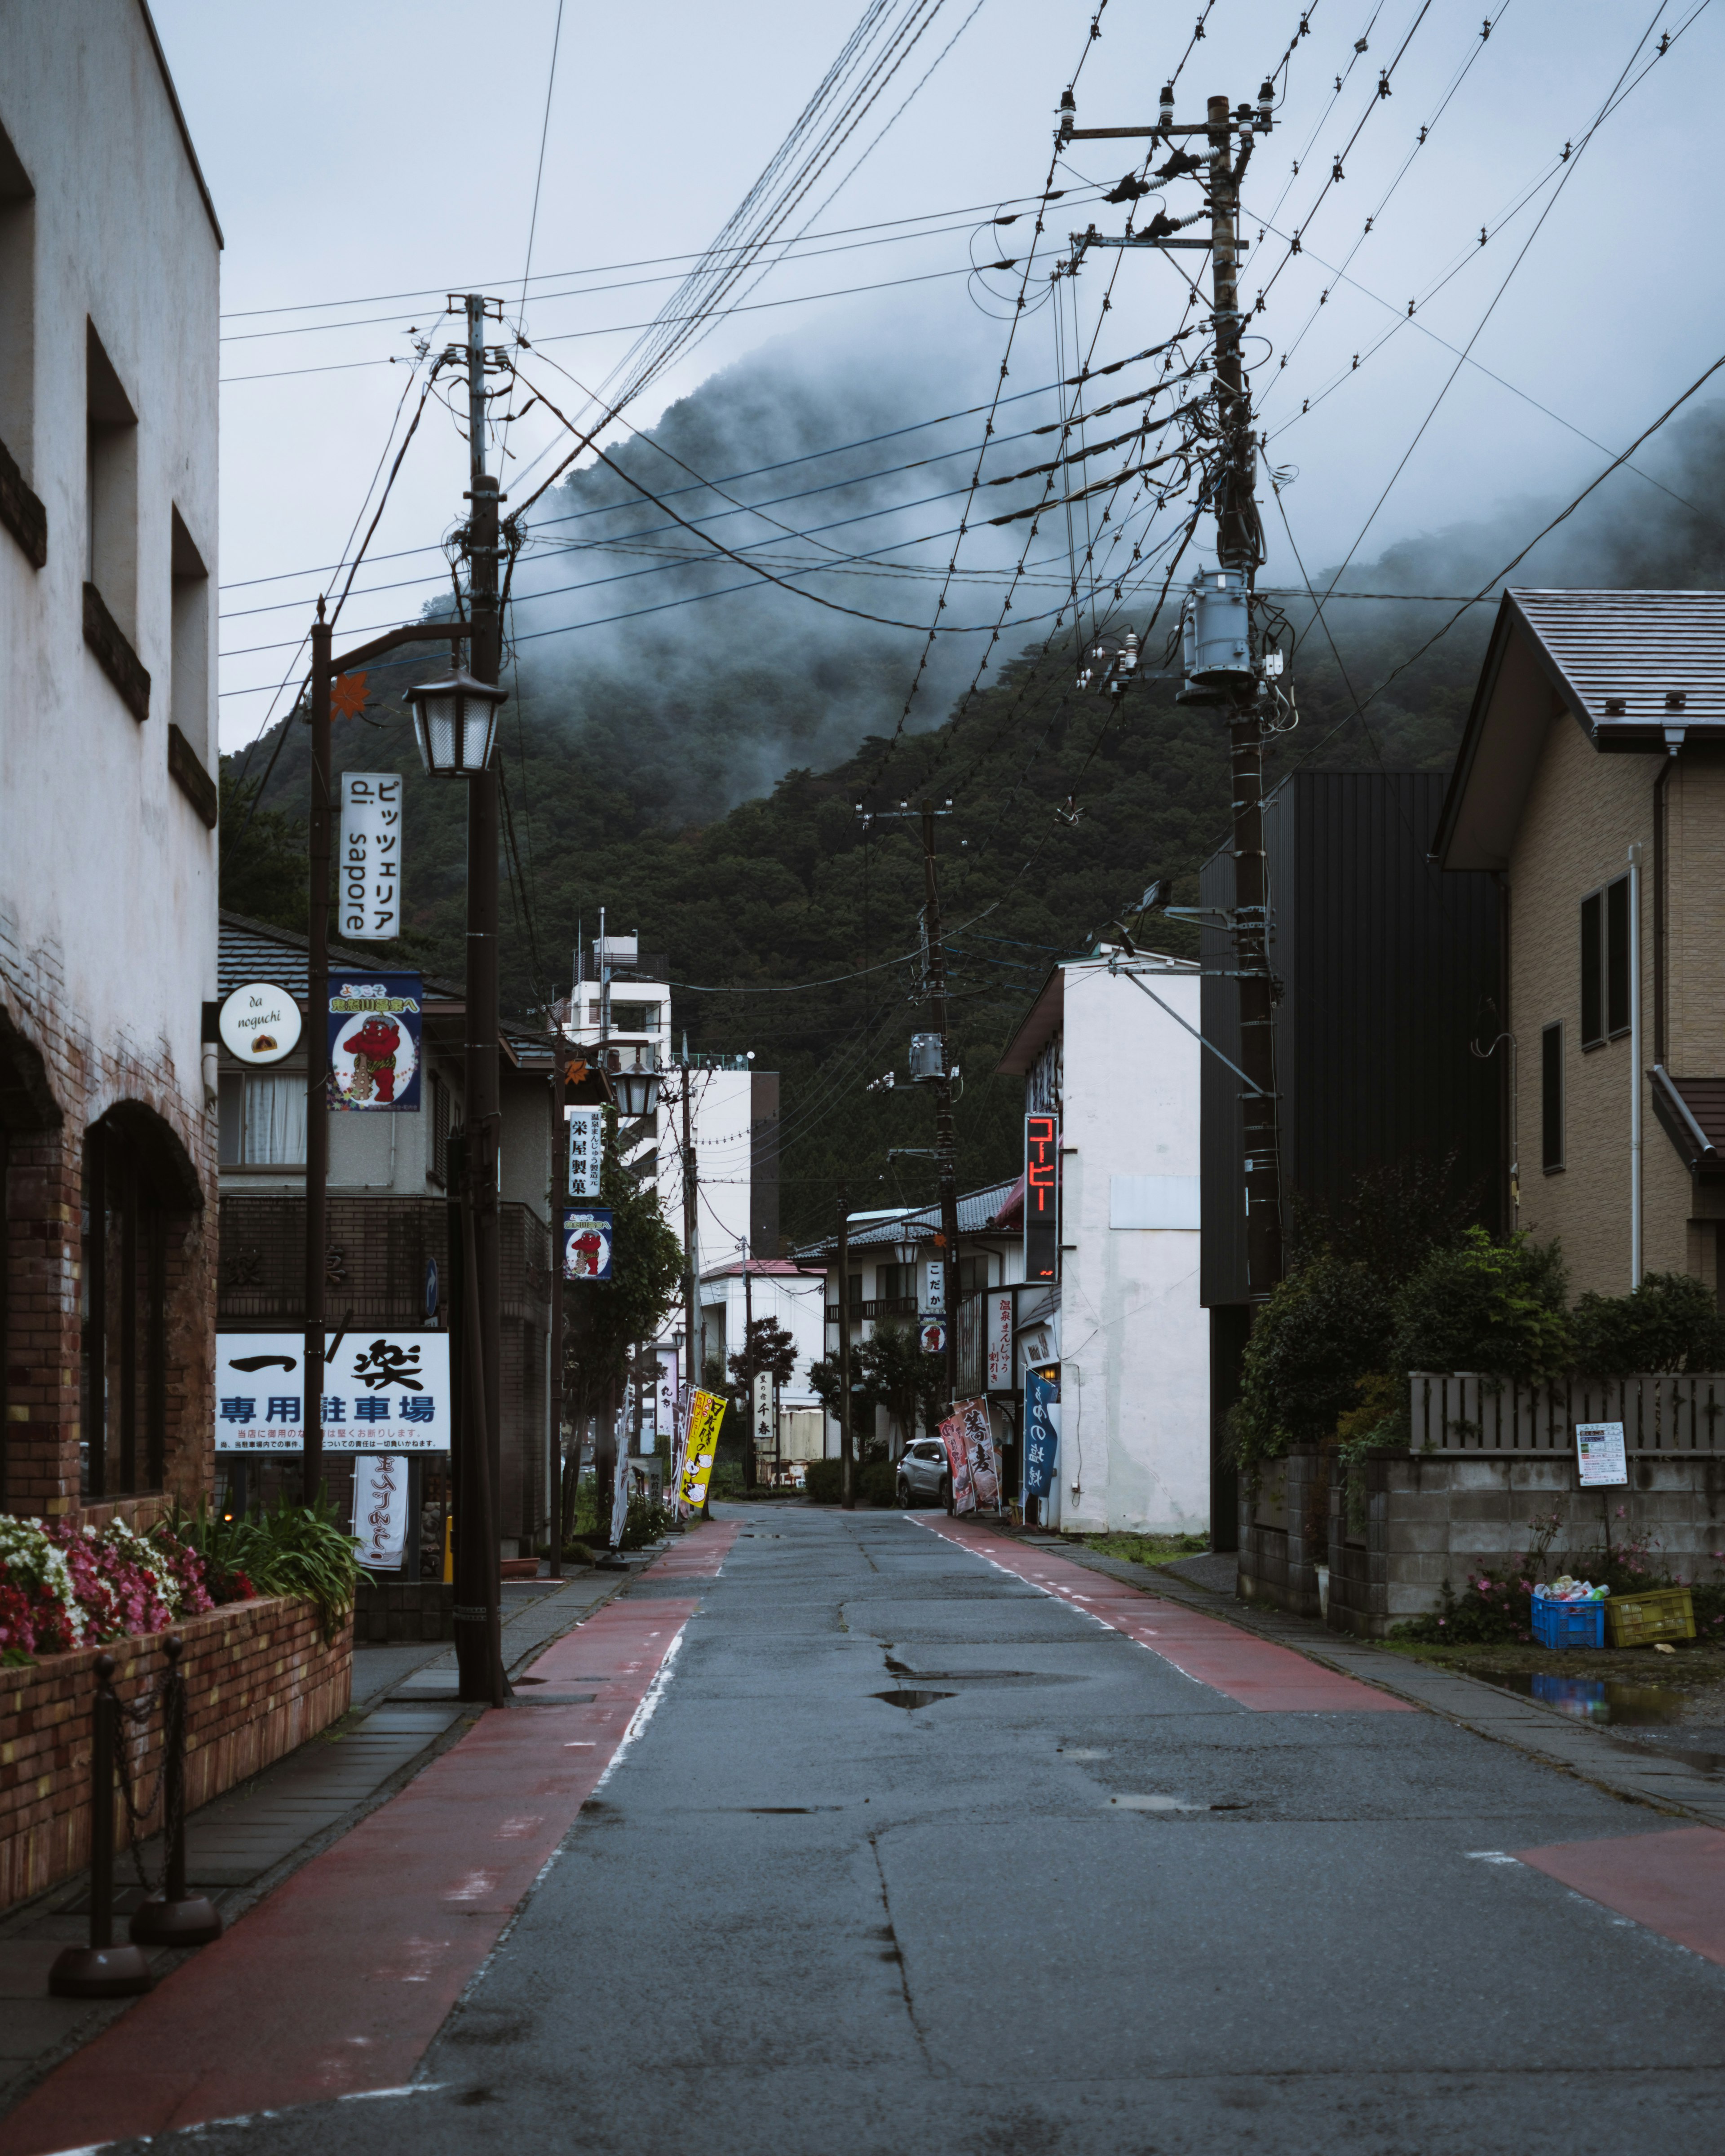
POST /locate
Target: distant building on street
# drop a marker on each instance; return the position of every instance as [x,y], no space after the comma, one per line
[109,296]
[1107,1049]
[386,1258]
[1590,788]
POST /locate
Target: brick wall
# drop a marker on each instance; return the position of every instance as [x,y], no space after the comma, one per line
[1284,1517]
[60,1073]
[260,1680]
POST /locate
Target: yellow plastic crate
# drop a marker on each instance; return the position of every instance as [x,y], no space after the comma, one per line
[1637,1620]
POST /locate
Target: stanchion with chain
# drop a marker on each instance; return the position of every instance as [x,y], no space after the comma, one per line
[101,1970]
[170,1916]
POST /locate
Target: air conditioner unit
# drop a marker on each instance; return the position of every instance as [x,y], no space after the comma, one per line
[925,1057]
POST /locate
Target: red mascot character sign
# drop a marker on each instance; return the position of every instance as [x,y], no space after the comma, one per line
[374,1043]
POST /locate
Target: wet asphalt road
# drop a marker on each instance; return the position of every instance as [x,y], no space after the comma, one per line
[1082,1903]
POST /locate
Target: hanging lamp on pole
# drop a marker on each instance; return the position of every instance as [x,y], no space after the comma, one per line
[455,723]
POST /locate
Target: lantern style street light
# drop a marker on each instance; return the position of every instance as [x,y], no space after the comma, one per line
[455,723]
[636,1091]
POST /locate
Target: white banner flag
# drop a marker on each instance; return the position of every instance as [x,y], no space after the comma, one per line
[380,1508]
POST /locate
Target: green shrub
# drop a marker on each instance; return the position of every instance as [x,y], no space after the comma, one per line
[1480,1305]
[1670,1322]
[824,1483]
[286,1549]
[1324,1327]
[876,1483]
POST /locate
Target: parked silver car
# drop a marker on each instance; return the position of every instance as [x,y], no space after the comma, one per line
[923,1474]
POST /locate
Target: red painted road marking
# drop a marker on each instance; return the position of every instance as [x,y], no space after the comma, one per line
[1673,1883]
[338,1981]
[702,1554]
[1254,1672]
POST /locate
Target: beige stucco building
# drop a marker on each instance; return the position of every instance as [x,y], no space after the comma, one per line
[1591,781]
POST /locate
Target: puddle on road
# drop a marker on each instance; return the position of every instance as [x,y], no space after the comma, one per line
[1593,1699]
[910,1700]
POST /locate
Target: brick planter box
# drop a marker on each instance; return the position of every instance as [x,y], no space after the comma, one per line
[260,1680]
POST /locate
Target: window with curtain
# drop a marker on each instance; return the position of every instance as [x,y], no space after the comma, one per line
[273,1131]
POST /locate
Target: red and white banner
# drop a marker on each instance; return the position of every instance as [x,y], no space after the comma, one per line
[970,1458]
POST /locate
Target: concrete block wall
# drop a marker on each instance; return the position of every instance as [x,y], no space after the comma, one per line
[260,1679]
[1430,1519]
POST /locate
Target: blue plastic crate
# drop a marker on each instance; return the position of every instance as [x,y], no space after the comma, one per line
[1568,1624]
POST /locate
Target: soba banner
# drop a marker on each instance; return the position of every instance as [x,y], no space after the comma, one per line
[706,1411]
[374,1043]
[980,1449]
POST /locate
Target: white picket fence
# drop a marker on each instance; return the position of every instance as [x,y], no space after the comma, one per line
[1460,1411]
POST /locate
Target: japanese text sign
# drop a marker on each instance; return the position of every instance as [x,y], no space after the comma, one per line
[586,1142]
[706,1411]
[996,1341]
[1599,1454]
[387,1392]
[1042,1197]
[380,1509]
[932,1297]
[374,1043]
[368,857]
[1042,1429]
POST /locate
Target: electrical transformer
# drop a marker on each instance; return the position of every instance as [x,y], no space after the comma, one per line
[925,1057]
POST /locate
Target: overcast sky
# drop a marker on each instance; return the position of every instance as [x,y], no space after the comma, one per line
[377,148]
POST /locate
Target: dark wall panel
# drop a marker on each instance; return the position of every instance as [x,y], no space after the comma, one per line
[1387,967]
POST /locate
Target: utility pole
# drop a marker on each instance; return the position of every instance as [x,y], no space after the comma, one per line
[317,1064]
[847,1493]
[752,1470]
[1225,672]
[478,1591]
[692,1286]
[945,1141]
[1237,549]
[559,1189]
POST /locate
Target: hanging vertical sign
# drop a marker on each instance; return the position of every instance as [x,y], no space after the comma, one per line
[380,1508]
[932,1300]
[587,1141]
[1042,1197]
[997,1320]
[374,1043]
[587,1243]
[368,856]
[763,1411]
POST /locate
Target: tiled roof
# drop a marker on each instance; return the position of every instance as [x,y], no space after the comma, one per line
[253,950]
[977,1211]
[1636,650]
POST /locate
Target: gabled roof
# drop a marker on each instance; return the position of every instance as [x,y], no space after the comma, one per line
[1632,669]
[978,1212]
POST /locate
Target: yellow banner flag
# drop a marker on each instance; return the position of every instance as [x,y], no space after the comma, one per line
[706,1411]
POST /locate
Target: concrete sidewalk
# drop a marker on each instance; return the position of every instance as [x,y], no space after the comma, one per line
[246,1842]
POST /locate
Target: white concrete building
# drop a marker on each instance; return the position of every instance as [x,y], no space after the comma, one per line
[110,260]
[794,1296]
[1115,1055]
[622,999]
